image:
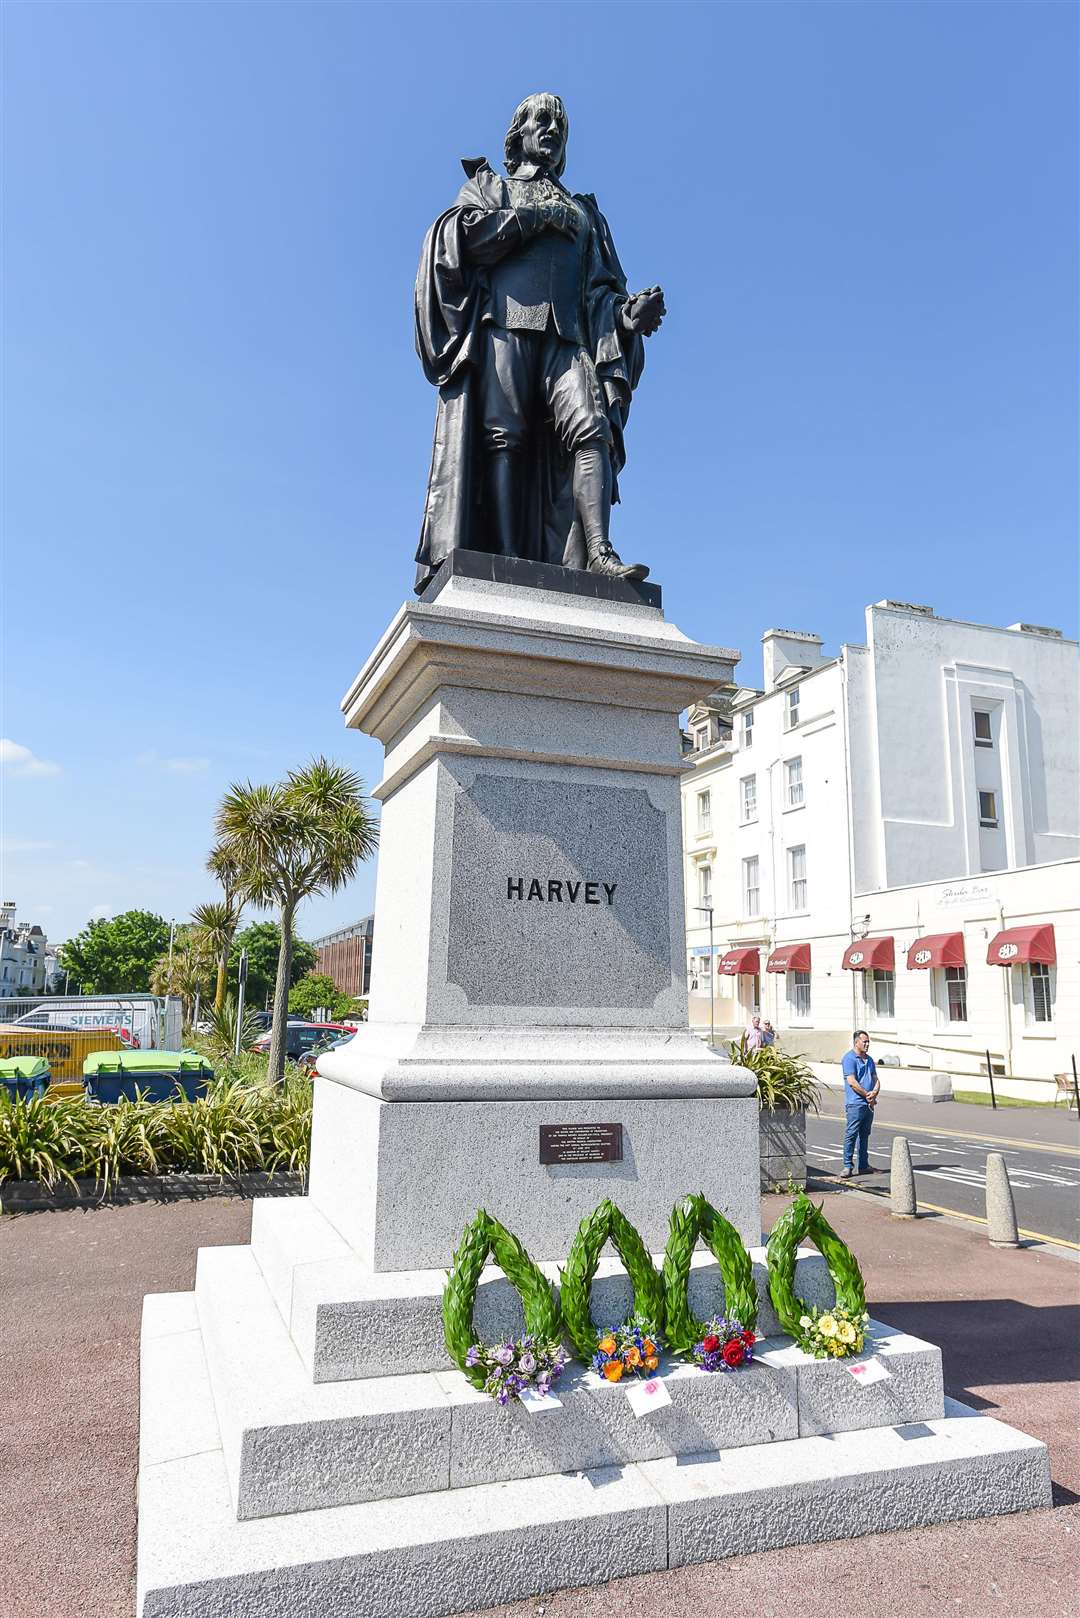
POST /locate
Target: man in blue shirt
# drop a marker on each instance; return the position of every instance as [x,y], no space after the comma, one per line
[861,1086]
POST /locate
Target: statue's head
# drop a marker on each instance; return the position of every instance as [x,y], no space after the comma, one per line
[537,134]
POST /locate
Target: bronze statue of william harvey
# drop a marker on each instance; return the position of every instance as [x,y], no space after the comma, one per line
[525,326]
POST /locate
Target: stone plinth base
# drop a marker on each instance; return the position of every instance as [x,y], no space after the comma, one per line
[401,1180]
[264,1491]
[206,1475]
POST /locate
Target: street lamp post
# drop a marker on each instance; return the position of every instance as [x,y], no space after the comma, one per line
[241,986]
[706,910]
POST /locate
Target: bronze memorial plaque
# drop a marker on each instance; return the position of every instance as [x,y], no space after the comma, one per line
[581,1143]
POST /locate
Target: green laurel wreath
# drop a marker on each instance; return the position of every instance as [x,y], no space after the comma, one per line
[482,1237]
[576,1279]
[802,1222]
[693,1218]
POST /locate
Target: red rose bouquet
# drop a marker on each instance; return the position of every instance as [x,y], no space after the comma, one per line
[726,1345]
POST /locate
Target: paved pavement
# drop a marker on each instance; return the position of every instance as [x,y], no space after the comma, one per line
[949,1142]
[72,1286]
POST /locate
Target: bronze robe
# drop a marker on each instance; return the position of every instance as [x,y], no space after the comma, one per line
[453,302]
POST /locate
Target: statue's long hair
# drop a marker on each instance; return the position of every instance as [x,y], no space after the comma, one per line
[512,144]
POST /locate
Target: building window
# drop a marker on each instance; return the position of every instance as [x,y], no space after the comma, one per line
[704,886]
[984,733]
[879,994]
[798,993]
[1040,997]
[748,728]
[751,889]
[797,872]
[988,808]
[793,782]
[748,798]
[956,993]
[701,738]
[792,711]
[704,811]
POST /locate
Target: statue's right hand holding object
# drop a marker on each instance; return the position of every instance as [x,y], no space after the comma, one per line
[643,312]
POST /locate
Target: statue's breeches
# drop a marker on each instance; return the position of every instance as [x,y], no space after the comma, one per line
[528,376]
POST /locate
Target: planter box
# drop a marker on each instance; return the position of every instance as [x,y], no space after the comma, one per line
[783,1149]
[29,1196]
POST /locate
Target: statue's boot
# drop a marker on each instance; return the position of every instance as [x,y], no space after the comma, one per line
[502,501]
[592,498]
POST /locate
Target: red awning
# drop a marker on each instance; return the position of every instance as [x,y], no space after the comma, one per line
[1019,944]
[741,963]
[790,958]
[867,954]
[936,949]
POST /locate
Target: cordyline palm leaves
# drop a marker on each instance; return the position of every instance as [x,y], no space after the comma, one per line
[189,971]
[308,834]
[216,924]
[219,919]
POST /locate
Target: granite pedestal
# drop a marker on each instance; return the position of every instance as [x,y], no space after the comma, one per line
[306,1446]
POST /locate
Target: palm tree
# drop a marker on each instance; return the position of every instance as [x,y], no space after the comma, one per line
[216,923]
[306,835]
[187,974]
[219,920]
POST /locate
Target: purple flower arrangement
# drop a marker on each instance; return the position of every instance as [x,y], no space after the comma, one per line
[511,1368]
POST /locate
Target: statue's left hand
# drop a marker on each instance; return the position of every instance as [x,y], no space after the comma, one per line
[643,312]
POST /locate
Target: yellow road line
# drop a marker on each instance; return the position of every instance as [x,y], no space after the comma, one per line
[1036,1235]
[975,1219]
[959,1134]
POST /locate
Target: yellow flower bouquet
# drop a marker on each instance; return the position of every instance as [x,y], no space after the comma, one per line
[832,1334]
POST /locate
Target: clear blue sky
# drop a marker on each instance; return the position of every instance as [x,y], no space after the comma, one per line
[216,432]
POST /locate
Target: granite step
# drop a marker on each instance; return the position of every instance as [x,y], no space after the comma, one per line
[348,1321]
[433,1554]
[292,1445]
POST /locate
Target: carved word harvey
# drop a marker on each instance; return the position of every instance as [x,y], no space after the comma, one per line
[551,891]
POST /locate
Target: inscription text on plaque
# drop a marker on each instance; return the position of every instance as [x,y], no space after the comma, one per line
[581,1143]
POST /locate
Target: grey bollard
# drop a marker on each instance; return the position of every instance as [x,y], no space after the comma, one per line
[902,1181]
[1000,1210]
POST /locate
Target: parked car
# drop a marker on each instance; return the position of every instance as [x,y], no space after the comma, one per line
[300,1037]
[330,1043]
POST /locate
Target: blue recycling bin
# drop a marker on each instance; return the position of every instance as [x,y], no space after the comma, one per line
[154,1075]
[23,1077]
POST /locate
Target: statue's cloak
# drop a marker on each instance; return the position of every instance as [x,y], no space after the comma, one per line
[453,304]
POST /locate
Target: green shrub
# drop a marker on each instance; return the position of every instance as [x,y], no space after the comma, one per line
[40,1140]
[221,1040]
[125,1137]
[784,1082]
[241,1123]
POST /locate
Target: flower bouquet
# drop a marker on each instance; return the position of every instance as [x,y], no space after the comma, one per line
[724,1346]
[626,1350]
[832,1334]
[512,1368]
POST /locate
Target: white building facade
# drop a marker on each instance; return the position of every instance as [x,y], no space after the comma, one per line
[22,956]
[869,827]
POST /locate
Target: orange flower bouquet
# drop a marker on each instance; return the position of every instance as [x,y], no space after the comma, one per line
[626,1350]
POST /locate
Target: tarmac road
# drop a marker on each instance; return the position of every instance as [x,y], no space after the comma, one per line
[949,1142]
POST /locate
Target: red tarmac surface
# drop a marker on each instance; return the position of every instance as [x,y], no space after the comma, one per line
[71,1287]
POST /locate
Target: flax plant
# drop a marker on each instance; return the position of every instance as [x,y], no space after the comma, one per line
[40,1140]
[784,1082]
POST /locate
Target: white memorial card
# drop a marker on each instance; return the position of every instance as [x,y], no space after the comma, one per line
[537,1402]
[646,1396]
[867,1371]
